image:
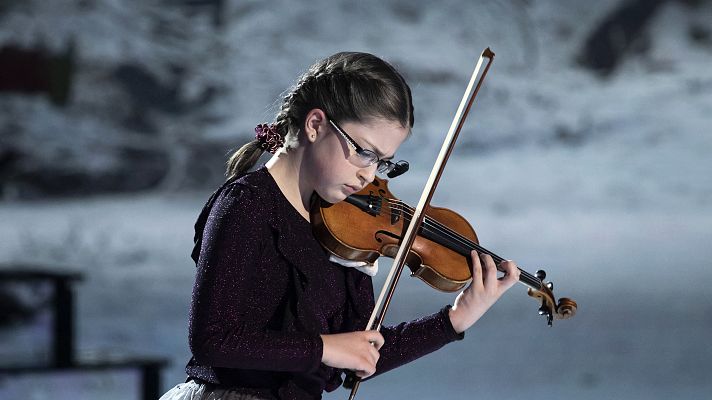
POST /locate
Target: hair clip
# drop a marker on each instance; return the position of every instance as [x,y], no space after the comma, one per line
[268,137]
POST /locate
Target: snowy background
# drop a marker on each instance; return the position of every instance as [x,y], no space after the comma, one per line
[601,178]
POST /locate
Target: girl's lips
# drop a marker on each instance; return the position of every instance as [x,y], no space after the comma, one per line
[352,189]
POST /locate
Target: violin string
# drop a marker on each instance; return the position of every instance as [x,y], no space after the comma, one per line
[436,225]
[445,231]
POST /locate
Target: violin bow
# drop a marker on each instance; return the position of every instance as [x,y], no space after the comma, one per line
[389,287]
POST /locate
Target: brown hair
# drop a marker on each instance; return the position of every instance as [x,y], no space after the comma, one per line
[348,86]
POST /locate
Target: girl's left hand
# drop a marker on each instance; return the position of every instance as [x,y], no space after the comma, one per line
[483,292]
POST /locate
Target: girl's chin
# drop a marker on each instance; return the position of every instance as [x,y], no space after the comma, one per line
[334,196]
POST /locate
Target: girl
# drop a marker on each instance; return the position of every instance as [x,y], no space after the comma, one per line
[272,317]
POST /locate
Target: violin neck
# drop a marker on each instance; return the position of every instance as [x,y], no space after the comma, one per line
[431,230]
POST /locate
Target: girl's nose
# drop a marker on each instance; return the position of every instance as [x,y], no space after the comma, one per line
[368,173]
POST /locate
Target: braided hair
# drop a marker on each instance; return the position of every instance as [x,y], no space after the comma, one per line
[349,87]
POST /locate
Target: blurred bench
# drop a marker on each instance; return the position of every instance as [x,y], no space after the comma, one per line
[62,333]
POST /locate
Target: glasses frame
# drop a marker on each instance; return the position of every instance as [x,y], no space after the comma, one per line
[383,166]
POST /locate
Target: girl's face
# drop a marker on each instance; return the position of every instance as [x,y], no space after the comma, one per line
[327,153]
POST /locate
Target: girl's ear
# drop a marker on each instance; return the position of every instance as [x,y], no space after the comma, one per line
[314,122]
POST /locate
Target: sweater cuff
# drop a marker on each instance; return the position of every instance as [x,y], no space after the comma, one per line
[452,333]
[318,353]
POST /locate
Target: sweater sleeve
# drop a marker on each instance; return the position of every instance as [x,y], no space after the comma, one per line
[229,315]
[409,341]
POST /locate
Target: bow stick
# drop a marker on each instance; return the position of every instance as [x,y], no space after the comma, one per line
[389,287]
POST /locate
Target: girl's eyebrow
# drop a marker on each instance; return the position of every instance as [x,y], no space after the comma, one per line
[378,152]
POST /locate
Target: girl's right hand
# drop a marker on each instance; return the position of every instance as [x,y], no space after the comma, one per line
[357,351]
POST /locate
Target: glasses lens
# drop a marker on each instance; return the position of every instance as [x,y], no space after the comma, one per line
[366,158]
[385,167]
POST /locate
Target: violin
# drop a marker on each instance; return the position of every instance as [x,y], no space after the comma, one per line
[372,222]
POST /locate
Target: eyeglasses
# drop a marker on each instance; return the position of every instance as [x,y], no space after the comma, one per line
[365,158]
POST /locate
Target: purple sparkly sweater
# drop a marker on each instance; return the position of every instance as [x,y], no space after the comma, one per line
[265,290]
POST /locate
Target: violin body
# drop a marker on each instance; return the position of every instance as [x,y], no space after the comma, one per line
[350,233]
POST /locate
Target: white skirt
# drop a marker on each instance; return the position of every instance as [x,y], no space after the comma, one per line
[193,390]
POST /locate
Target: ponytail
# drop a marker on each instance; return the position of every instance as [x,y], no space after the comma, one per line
[243,159]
